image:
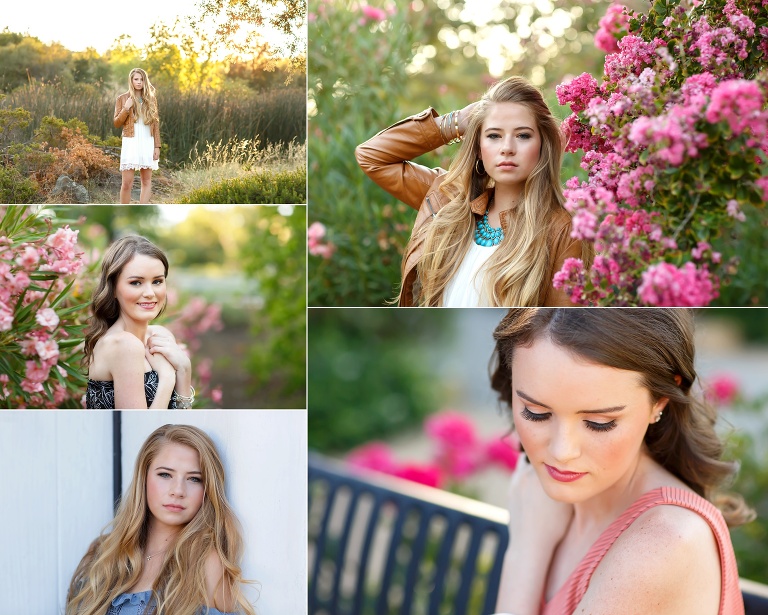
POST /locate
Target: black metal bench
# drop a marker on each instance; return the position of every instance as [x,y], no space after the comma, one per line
[383,546]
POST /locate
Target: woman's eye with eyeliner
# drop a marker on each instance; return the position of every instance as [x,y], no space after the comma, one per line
[533,416]
[600,426]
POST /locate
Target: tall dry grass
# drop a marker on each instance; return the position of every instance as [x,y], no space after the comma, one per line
[186,119]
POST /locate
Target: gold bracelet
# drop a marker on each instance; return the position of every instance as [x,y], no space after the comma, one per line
[456,125]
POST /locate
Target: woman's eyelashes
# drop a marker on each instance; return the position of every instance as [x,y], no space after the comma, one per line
[523,135]
[537,417]
[194,479]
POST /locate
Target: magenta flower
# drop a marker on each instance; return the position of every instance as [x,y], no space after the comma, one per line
[611,26]
[373,456]
[451,429]
[664,285]
[424,474]
[373,14]
[503,452]
[723,389]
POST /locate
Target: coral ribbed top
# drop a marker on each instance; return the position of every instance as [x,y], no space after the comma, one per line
[567,598]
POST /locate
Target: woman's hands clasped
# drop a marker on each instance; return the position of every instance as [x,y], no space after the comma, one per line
[163,344]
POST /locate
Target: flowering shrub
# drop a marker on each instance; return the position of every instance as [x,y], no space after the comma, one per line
[458,453]
[315,234]
[676,149]
[40,326]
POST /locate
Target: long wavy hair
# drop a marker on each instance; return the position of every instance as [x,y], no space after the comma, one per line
[105,309]
[113,563]
[147,109]
[519,269]
[657,343]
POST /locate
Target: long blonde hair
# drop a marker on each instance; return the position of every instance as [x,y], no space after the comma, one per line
[148,109]
[519,269]
[113,563]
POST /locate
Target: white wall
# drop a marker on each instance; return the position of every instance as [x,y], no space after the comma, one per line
[56,489]
[57,492]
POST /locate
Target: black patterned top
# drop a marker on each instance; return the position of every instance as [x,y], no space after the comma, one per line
[100,394]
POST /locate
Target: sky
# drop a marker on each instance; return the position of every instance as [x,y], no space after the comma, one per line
[78,24]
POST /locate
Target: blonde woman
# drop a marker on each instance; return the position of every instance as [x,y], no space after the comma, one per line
[136,113]
[492,230]
[174,546]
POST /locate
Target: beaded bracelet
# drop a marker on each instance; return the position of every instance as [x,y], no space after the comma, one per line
[185,403]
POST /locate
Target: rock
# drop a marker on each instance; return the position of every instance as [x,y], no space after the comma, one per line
[71,189]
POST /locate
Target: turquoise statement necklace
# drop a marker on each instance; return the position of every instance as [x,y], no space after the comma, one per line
[485,234]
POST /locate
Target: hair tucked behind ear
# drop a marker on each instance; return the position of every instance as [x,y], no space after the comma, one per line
[659,344]
[518,270]
[113,563]
[104,306]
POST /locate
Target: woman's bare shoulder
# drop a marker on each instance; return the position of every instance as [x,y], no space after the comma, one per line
[666,561]
[112,349]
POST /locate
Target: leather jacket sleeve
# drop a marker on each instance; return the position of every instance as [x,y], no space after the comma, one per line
[386,157]
[121,115]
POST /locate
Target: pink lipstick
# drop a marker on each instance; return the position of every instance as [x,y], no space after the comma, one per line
[564,477]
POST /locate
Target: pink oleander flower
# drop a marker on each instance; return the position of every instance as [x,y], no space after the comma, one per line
[373,456]
[503,452]
[723,389]
[47,349]
[424,474]
[373,14]
[611,25]
[36,373]
[20,282]
[664,285]
[31,387]
[47,318]
[324,250]
[6,318]
[29,259]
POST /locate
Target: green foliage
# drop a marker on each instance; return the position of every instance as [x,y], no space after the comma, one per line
[358,74]
[370,375]
[28,60]
[748,446]
[275,256]
[15,188]
[265,187]
[12,122]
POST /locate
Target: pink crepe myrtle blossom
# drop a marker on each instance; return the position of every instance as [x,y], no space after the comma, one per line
[740,103]
[373,456]
[577,92]
[734,211]
[664,285]
[611,26]
[424,474]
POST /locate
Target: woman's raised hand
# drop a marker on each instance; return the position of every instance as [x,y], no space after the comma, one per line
[128,104]
[536,521]
[160,364]
[163,343]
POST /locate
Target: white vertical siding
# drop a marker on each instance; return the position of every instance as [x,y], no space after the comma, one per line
[57,496]
[56,468]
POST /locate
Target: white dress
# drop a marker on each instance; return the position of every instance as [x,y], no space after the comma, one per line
[138,150]
[466,287]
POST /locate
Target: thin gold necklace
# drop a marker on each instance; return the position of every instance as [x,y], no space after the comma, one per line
[149,557]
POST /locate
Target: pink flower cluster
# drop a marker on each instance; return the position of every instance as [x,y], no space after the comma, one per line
[36,335]
[611,25]
[458,453]
[315,235]
[646,132]
[665,285]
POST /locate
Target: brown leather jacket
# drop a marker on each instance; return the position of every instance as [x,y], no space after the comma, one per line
[386,159]
[125,119]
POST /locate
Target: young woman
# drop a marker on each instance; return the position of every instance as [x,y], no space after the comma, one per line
[132,364]
[493,229]
[613,512]
[136,113]
[174,546]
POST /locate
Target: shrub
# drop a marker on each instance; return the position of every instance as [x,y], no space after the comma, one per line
[40,320]
[17,189]
[265,187]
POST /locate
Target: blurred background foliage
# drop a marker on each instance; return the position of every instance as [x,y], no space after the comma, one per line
[375,374]
[373,64]
[226,256]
